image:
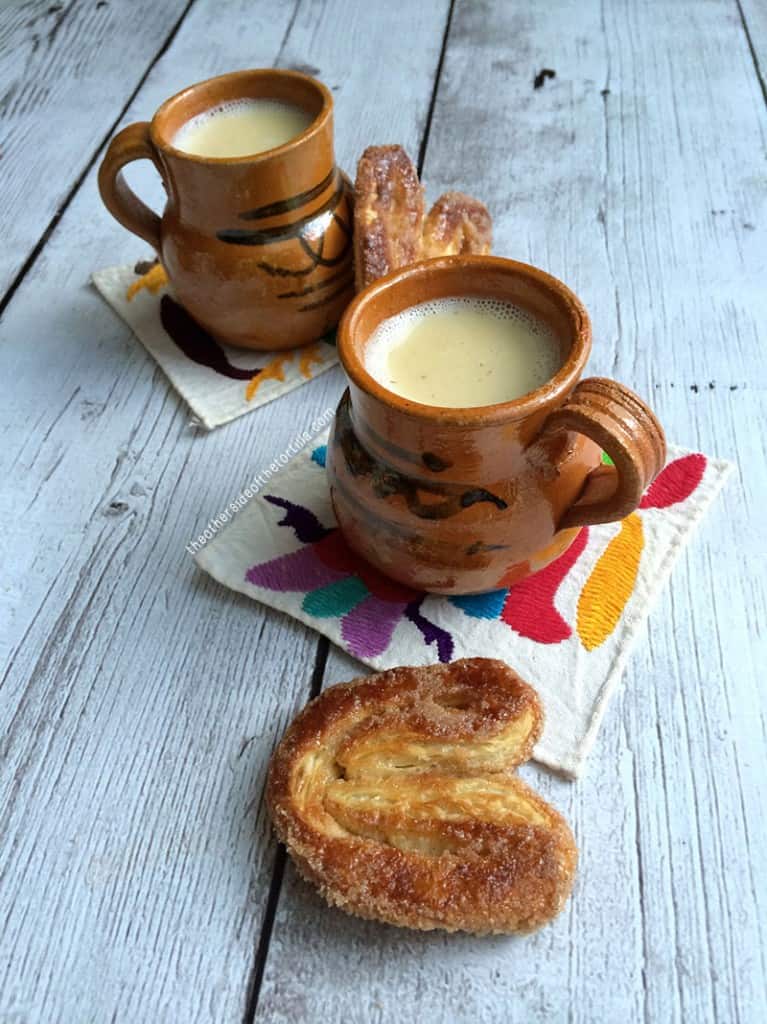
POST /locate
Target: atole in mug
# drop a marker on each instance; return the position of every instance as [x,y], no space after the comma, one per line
[257,248]
[466,500]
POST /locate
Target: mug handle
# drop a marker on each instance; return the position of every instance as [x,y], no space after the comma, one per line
[627,430]
[132,143]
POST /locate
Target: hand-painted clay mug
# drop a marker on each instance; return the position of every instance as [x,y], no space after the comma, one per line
[256,248]
[460,501]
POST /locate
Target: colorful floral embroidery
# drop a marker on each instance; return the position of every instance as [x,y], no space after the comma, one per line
[196,344]
[154,279]
[274,370]
[336,583]
[320,454]
[308,355]
[528,606]
[607,590]
[676,482]
[339,584]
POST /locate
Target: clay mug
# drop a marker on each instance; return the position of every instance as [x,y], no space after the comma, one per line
[461,501]
[256,248]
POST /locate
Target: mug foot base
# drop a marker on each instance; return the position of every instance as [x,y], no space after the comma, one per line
[541,560]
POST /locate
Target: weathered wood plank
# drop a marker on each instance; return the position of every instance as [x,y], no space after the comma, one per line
[67,71]
[635,175]
[140,701]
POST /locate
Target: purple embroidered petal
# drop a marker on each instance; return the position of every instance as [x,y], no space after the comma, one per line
[368,628]
[298,570]
[431,632]
[302,521]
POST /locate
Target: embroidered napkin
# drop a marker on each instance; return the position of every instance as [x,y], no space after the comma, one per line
[567,630]
[217,382]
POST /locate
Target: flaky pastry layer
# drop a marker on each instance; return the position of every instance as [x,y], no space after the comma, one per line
[396,795]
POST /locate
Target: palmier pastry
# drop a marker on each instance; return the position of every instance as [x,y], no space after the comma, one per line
[396,796]
[390,230]
[457,224]
[388,213]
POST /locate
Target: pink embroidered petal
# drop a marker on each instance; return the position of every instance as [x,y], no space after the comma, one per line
[676,482]
[529,607]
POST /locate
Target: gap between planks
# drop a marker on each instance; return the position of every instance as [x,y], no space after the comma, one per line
[278,871]
[30,261]
[752,49]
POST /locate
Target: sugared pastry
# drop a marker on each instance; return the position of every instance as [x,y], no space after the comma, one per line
[396,796]
[456,225]
[388,213]
[390,229]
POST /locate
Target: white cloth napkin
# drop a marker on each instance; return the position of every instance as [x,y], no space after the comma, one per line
[217,382]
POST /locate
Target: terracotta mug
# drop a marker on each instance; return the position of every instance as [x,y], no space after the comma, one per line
[256,248]
[461,501]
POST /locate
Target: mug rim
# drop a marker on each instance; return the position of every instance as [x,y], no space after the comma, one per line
[557,387]
[317,125]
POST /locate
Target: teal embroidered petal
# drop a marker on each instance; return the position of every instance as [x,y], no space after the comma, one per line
[335,599]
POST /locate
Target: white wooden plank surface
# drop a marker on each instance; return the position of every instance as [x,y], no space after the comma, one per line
[637,176]
[140,702]
[68,68]
[754,16]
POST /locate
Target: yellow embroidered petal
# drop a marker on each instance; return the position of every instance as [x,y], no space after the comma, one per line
[272,371]
[310,354]
[610,584]
[153,280]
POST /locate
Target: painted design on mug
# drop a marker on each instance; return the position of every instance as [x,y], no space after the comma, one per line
[386,481]
[332,249]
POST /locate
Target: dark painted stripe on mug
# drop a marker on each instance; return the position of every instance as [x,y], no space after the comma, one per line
[348,283]
[330,279]
[398,452]
[274,271]
[267,236]
[395,450]
[450,557]
[286,205]
[319,259]
[480,548]
[479,494]
[342,224]
[385,481]
[378,523]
